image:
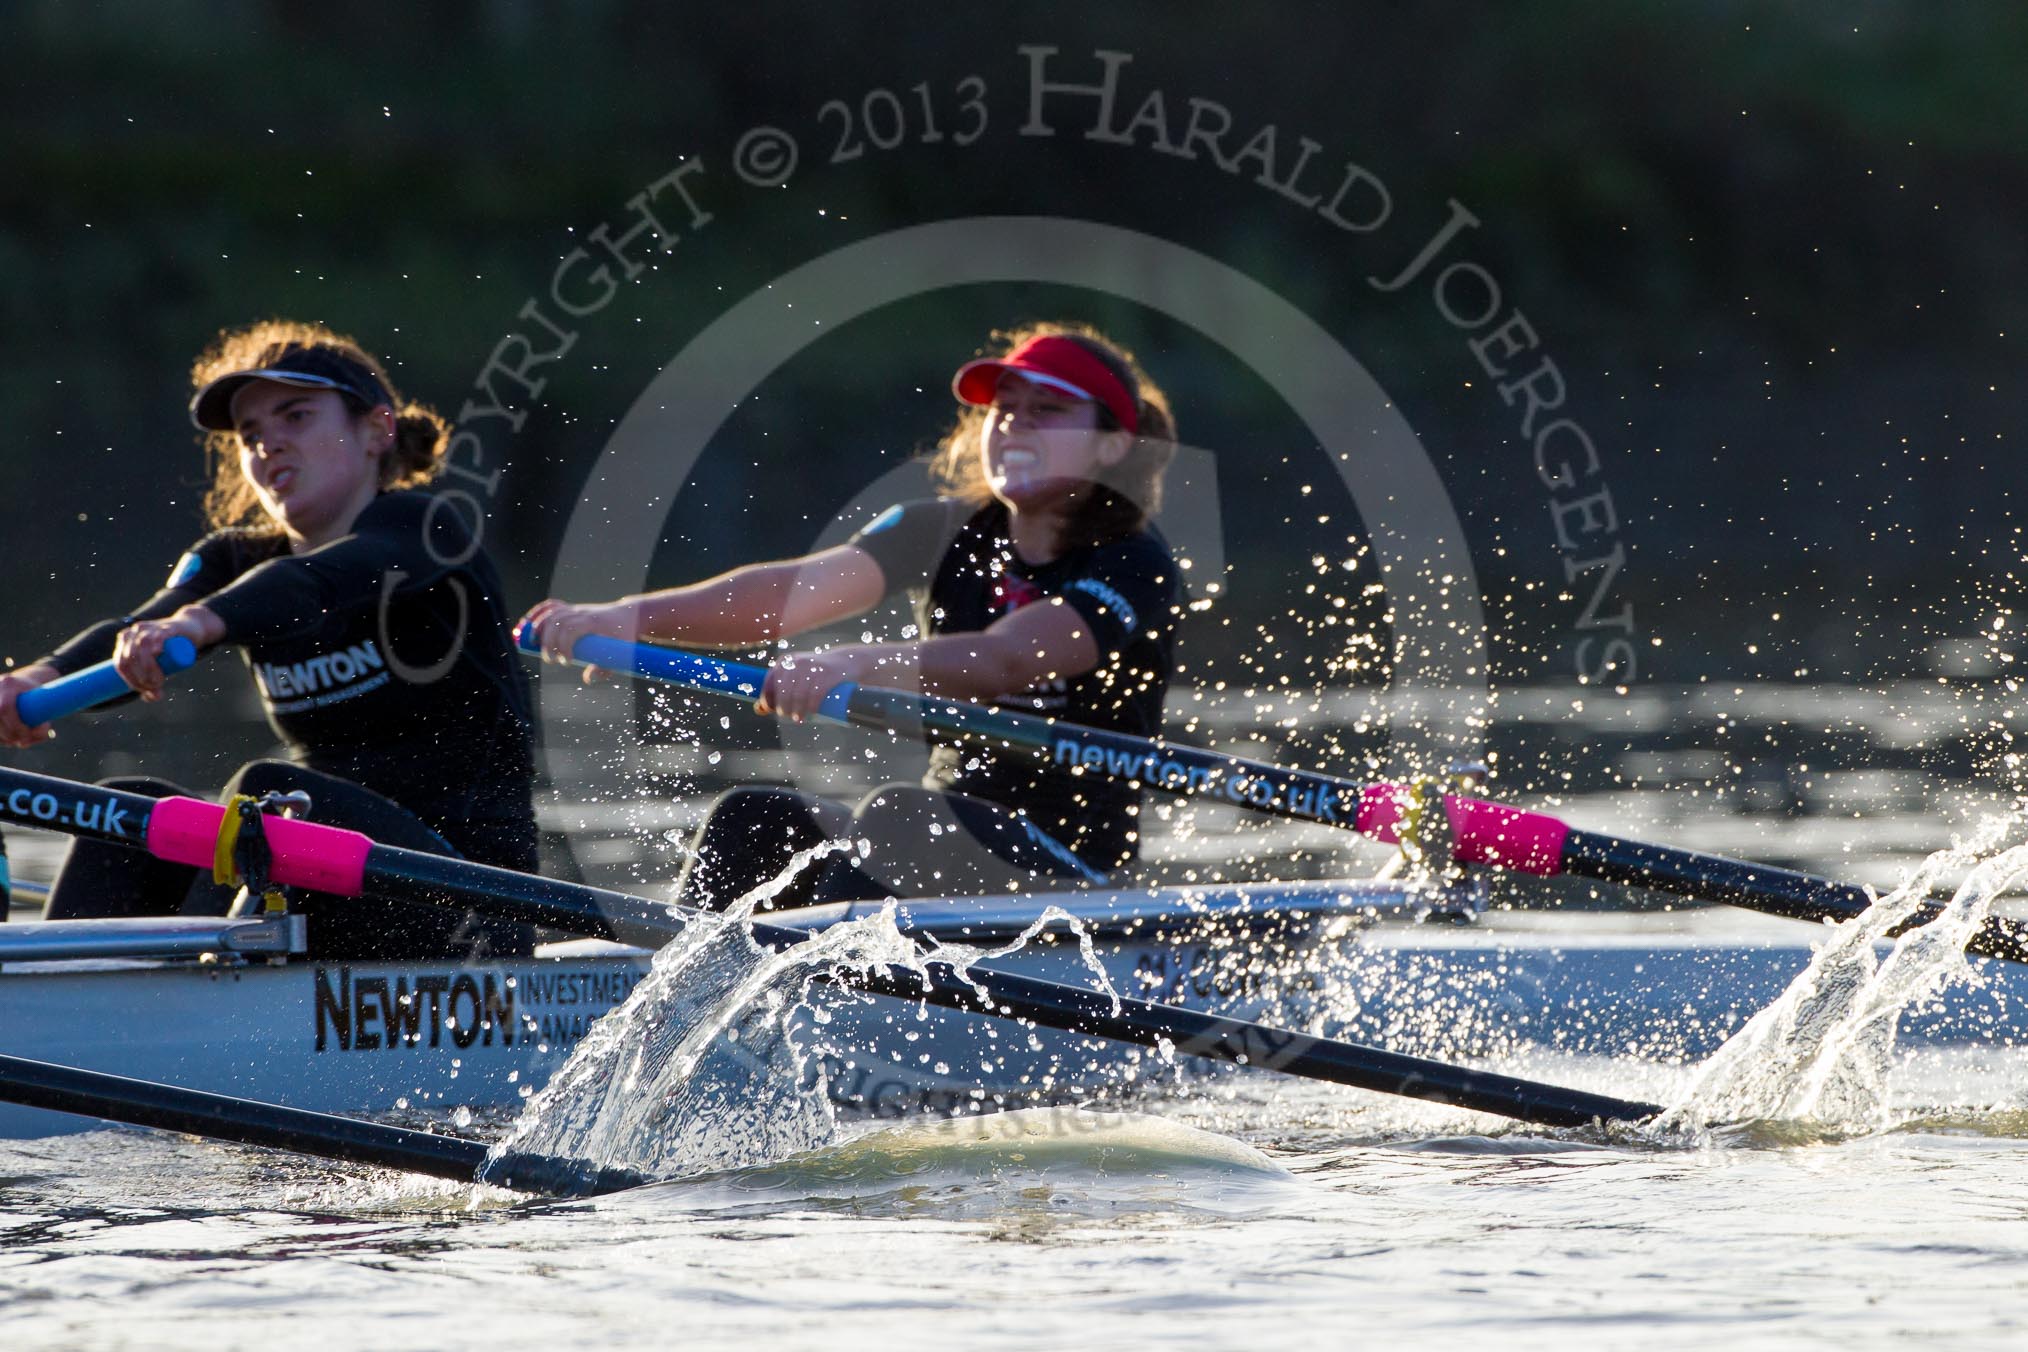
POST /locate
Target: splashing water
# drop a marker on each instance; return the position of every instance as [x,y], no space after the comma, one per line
[1822,1054]
[697,1071]
[962,956]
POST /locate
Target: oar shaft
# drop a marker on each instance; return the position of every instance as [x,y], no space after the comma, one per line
[96,684]
[1758,887]
[181,830]
[141,1103]
[221,1117]
[74,809]
[1664,868]
[1193,1033]
[1186,771]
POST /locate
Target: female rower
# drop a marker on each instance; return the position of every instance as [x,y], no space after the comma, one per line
[1038,585]
[372,624]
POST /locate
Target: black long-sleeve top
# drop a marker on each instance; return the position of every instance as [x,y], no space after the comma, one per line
[957,563]
[383,657]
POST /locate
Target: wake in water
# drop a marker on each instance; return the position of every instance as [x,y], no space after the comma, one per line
[1822,1054]
[1048,1165]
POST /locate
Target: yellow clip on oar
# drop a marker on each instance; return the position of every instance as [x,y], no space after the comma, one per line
[241,857]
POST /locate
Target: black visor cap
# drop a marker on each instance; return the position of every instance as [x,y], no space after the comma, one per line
[313,368]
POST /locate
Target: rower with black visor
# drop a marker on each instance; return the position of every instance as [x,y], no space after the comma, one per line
[373,626]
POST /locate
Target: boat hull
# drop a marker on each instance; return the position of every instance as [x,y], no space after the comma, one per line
[381,1039]
[427,1039]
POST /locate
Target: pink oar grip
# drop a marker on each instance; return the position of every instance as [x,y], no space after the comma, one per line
[1487,833]
[321,858]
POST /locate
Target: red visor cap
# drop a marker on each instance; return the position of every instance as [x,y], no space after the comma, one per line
[1054,360]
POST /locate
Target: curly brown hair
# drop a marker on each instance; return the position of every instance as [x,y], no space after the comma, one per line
[420,434]
[1132,489]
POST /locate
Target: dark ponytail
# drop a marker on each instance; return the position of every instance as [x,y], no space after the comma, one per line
[417,456]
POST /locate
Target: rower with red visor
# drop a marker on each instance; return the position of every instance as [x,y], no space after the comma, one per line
[1038,584]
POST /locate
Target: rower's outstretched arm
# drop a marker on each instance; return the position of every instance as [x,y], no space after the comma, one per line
[197,575]
[755,604]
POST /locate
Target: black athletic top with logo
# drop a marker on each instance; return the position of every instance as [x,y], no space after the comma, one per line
[383,658]
[959,567]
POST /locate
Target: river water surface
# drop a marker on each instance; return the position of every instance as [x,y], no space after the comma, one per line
[1327,1229]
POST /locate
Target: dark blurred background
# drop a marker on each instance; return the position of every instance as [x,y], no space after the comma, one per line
[1777,251]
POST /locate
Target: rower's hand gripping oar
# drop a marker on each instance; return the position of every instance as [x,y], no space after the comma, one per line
[1485,832]
[346,863]
[95,685]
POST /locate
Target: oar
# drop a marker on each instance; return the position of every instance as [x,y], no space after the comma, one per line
[329,859]
[1487,833]
[96,684]
[143,1103]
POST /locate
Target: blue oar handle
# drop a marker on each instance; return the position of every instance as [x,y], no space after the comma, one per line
[709,675]
[96,684]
